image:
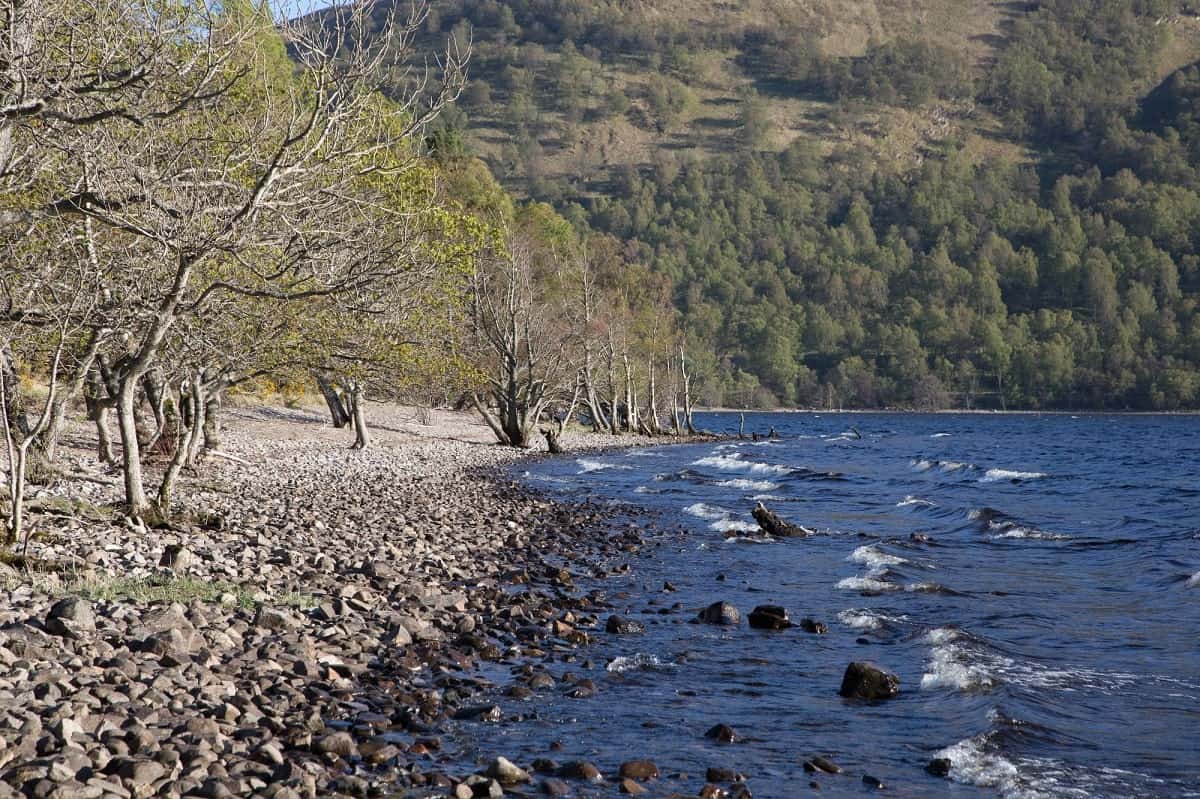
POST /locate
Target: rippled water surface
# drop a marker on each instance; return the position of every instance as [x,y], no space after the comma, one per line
[1047,635]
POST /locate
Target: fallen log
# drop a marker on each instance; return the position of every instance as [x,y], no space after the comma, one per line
[771,524]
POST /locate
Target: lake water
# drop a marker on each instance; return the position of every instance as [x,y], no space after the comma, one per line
[1047,635]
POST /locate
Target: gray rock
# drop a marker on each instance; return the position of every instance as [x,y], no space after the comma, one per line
[71,616]
[721,613]
[177,558]
[507,772]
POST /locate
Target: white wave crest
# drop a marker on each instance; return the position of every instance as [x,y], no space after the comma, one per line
[735,463]
[634,662]
[748,485]
[646,490]
[1193,581]
[860,619]
[950,664]
[866,584]
[703,511]
[911,500]
[768,498]
[587,465]
[875,559]
[922,465]
[1026,532]
[972,764]
[940,435]
[996,475]
[725,525]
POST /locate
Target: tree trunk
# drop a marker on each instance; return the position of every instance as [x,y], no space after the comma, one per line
[199,404]
[654,425]
[212,422]
[131,463]
[337,411]
[741,425]
[97,413]
[552,442]
[362,436]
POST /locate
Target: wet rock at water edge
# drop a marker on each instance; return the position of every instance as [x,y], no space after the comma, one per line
[639,770]
[723,733]
[506,772]
[823,764]
[721,613]
[580,770]
[715,774]
[621,625]
[939,767]
[769,617]
[481,713]
[867,681]
[632,788]
[813,626]
[872,782]
[555,787]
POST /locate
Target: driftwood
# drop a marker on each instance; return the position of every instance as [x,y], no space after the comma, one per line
[773,525]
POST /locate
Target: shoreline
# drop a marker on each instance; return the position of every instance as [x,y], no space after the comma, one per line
[318,636]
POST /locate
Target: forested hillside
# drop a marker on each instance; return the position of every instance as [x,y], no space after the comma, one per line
[924,203]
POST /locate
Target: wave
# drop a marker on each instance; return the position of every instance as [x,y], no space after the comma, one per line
[950,664]
[1193,581]
[940,435]
[875,559]
[997,475]
[735,463]
[867,620]
[748,485]
[911,500]
[974,762]
[866,584]
[1015,531]
[703,511]
[925,464]
[735,525]
[768,498]
[639,661]
[587,465]
[646,490]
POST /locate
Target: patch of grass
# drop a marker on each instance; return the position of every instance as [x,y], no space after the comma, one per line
[156,588]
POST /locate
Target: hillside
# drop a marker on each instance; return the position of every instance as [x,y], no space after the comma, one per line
[915,202]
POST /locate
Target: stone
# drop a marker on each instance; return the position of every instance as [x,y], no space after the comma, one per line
[337,743]
[506,772]
[714,774]
[723,733]
[580,770]
[872,782]
[721,613]
[769,617]
[815,627]
[939,767]
[481,713]
[140,773]
[826,765]
[631,787]
[639,770]
[710,791]
[555,787]
[177,558]
[71,616]
[274,619]
[621,625]
[864,680]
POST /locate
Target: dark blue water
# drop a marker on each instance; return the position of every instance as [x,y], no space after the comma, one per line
[1047,636]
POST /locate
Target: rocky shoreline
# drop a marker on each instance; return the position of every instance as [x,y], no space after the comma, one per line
[314,631]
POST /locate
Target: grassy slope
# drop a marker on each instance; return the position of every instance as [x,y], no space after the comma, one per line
[582,157]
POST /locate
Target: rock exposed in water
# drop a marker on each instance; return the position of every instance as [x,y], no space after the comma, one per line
[580,770]
[639,770]
[723,733]
[631,787]
[506,772]
[774,525]
[939,767]
[621,625]
[721,613]
[864,680]
[769,617]
[872,782]
[812,626]
[826,765]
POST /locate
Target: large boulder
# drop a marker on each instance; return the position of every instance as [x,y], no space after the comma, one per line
[864,680]
[621,625]
[721,613]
